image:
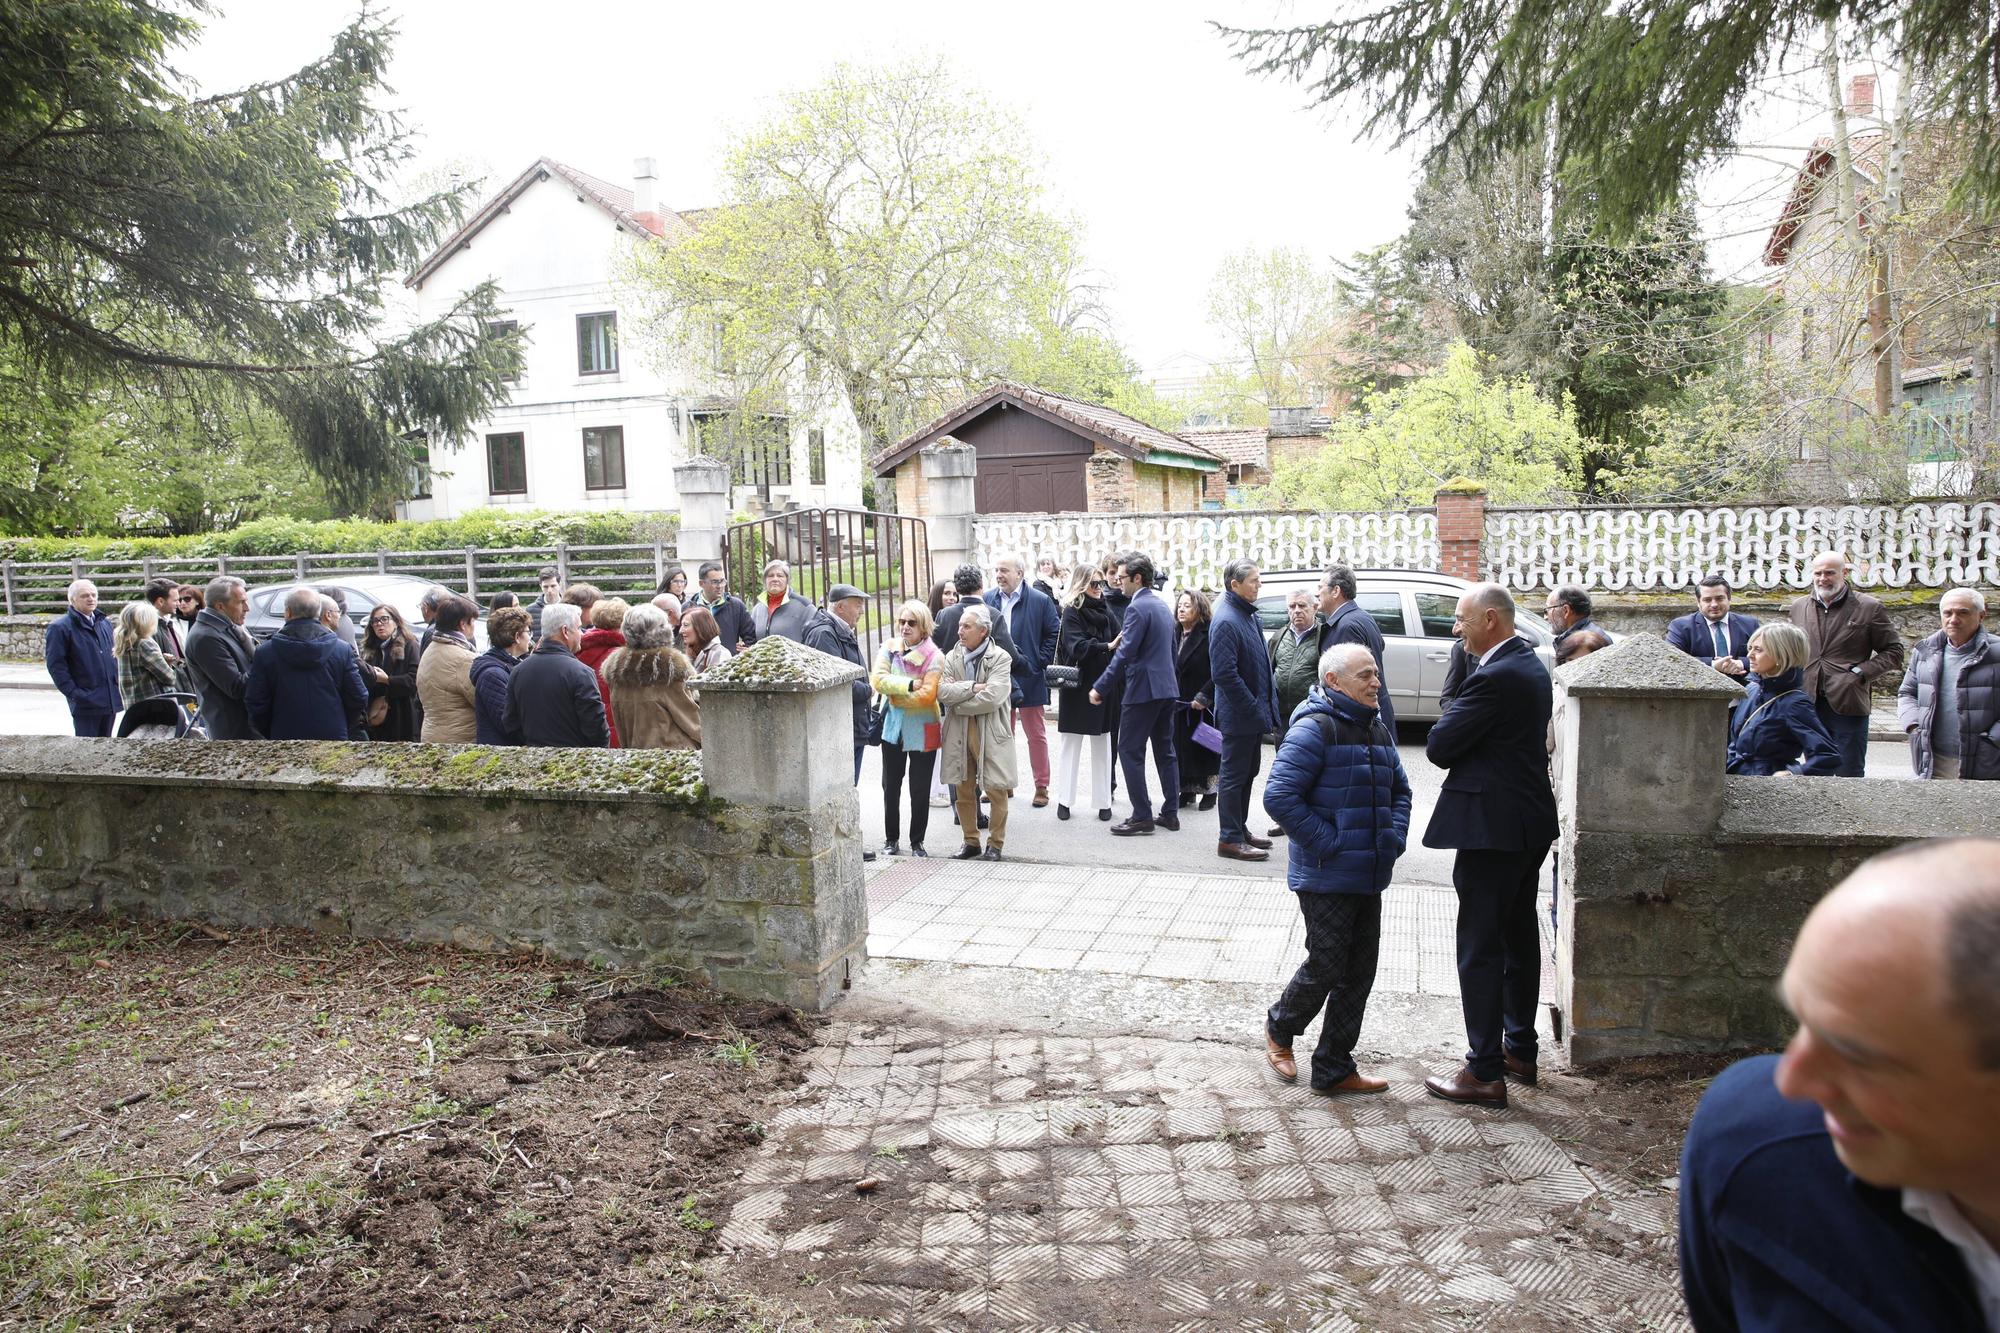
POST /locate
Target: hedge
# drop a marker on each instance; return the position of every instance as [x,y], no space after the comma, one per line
[483,528]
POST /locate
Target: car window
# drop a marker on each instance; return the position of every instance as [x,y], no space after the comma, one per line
[265,601]
[1436,610]
[1270,612]
[1387,608]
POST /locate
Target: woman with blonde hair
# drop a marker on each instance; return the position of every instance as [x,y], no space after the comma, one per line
[905,674]
[1775,729]
[143,670]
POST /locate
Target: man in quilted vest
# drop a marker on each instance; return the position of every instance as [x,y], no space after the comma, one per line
[1337,786]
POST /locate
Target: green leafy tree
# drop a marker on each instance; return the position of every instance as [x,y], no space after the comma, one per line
[1399,446]
[1277,310]
[1630,98]
[883,241]
[164,242]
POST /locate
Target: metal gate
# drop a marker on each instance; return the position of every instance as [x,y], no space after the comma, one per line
[887,556]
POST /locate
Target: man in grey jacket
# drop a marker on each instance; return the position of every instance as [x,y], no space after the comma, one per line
[1949,704]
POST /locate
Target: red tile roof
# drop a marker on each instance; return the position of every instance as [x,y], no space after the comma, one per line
[615,200]
[1246,448]
[1123,434]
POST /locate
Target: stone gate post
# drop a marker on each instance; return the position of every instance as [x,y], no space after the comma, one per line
[950,473]
[703,484]
[777,733]
[1641,732]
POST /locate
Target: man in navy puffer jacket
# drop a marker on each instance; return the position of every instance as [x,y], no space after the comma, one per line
[1337,787]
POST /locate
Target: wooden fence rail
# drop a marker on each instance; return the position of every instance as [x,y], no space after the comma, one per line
[33,587]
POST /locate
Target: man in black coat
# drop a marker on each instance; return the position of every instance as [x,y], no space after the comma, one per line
[831,631]
[732,617]
[1346,622]
[1496,808]
[550,579]
[219,650]
[970,581]
[552,699]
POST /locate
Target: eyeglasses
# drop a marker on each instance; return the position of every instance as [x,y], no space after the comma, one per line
[1095,583]
[907,620]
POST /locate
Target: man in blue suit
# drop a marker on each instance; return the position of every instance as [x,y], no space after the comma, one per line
[1142,672]
[1343,621]
[1496,808]
[1032,620]
[1715,634]
[1246,706]
[77,652]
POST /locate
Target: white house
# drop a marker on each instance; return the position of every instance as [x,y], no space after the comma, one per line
[594,422]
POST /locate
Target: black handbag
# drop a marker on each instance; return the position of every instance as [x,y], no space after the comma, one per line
[1058,676]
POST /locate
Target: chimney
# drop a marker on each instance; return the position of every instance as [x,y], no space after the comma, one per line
[645,186]
[1861,95]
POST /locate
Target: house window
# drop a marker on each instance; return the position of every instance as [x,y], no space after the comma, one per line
[597,344]
[420,467]
[500,328]
[604,458]
[816,456]
[507,464]
[759,450]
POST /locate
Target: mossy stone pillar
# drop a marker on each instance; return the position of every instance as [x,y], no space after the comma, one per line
[777,733]
[1641,742]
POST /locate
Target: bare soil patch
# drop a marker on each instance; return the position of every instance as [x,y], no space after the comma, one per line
[283,1131]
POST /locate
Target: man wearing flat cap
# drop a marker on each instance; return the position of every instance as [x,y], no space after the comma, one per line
[831,630]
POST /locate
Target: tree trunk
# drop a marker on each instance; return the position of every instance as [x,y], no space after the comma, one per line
[1889,368]
[1847,210]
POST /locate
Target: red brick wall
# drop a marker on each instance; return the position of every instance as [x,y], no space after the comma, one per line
[1461,526]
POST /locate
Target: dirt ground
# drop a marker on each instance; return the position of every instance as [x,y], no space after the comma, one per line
[283,1131]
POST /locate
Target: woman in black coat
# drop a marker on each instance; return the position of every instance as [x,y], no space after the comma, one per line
[389,667]
[1198,764]
[1085,642]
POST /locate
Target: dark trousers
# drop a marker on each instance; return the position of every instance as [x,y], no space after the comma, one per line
[860,749]
[1850,737]
[1343,934]
[1138,723]
[1242,757]
[920,764]
[92,724]
[1499,954]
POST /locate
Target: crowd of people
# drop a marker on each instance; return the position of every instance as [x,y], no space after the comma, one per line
[571,668]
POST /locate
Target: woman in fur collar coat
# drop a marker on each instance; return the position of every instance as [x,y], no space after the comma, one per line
[647,680]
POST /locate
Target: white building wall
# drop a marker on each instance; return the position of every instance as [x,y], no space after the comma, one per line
[553,255]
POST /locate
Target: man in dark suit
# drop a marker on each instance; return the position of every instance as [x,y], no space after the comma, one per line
[1246,706]
[1715,634]
[219,651]
[1032,622]
[1345,622]
[1496,808]
[1568,611]
[1142,671]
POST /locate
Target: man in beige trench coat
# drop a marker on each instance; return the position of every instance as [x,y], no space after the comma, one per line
[976,691]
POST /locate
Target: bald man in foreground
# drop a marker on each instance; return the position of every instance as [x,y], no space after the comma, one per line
[1854,1182]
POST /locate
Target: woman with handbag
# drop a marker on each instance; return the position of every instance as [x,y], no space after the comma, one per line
[905,674]
[389,669]
[1084,645]
[1777,727]
[1198,763]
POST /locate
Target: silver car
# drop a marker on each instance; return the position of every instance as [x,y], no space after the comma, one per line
[364,592]
[1414,609]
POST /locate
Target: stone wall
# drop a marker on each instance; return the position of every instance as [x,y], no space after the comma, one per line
[21,637]
[1681,890]
[751,879]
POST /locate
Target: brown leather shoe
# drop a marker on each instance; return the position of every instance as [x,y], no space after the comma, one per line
[1236,851]
[1041,797]
[1521,1071]
[1280,1058]
[1355,1082]
[1257,842]
[1461,1086]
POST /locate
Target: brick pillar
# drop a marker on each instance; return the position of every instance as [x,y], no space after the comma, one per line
[1108,482]
[1461,525]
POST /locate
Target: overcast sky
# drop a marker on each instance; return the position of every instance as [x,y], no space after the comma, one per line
[1167,150]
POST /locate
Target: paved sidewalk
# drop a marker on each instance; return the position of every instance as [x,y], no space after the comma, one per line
[1195,927]
[25,676]
[1033,1182]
